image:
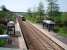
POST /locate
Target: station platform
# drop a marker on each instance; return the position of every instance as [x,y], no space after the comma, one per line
[21,41]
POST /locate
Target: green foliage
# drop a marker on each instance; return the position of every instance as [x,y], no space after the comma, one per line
[5,9]
[2,29]
[6,15]
[41,11]
[63,31]
[2,14]
[53,14]
[64,18]
[53,9]
[2,42]
[57,19]
[61,28]
[29,13]
[36,16]
[56,29]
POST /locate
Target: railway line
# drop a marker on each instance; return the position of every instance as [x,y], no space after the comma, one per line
[35,39]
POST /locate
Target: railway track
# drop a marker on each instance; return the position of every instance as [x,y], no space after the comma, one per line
[37,40]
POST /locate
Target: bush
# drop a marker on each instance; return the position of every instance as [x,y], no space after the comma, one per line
[63,31]
[2,42]
[56,29]
[1,30]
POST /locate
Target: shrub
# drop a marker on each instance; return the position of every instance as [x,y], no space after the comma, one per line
[56,29]
[2,42]
[1,30]
[63,31]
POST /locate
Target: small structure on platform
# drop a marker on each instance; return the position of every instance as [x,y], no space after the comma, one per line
[4,37]
[49,24]
[11,28]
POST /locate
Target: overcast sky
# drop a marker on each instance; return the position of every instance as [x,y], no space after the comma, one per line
[23,5]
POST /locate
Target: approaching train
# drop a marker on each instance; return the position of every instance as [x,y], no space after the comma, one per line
[11,28]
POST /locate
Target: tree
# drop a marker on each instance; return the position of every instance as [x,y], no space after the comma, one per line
[6,15]
[4,9]
[29,12]
[41,11]
[53,10]
[64,18]
[3,15]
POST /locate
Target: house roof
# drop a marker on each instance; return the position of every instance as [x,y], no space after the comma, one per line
[4,36]
[48,22]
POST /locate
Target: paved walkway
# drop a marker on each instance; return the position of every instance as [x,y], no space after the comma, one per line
[21,41]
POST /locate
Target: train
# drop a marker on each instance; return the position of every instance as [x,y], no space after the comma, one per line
[11,28]
[22,17]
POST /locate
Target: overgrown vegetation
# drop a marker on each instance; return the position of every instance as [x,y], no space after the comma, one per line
[5,16]
[2,42]
[2,29]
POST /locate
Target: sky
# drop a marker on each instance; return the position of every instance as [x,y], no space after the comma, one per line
[24,5]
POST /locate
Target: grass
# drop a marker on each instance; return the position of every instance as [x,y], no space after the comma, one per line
[2,29]
[2,42]
[33,19]
[63,31]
